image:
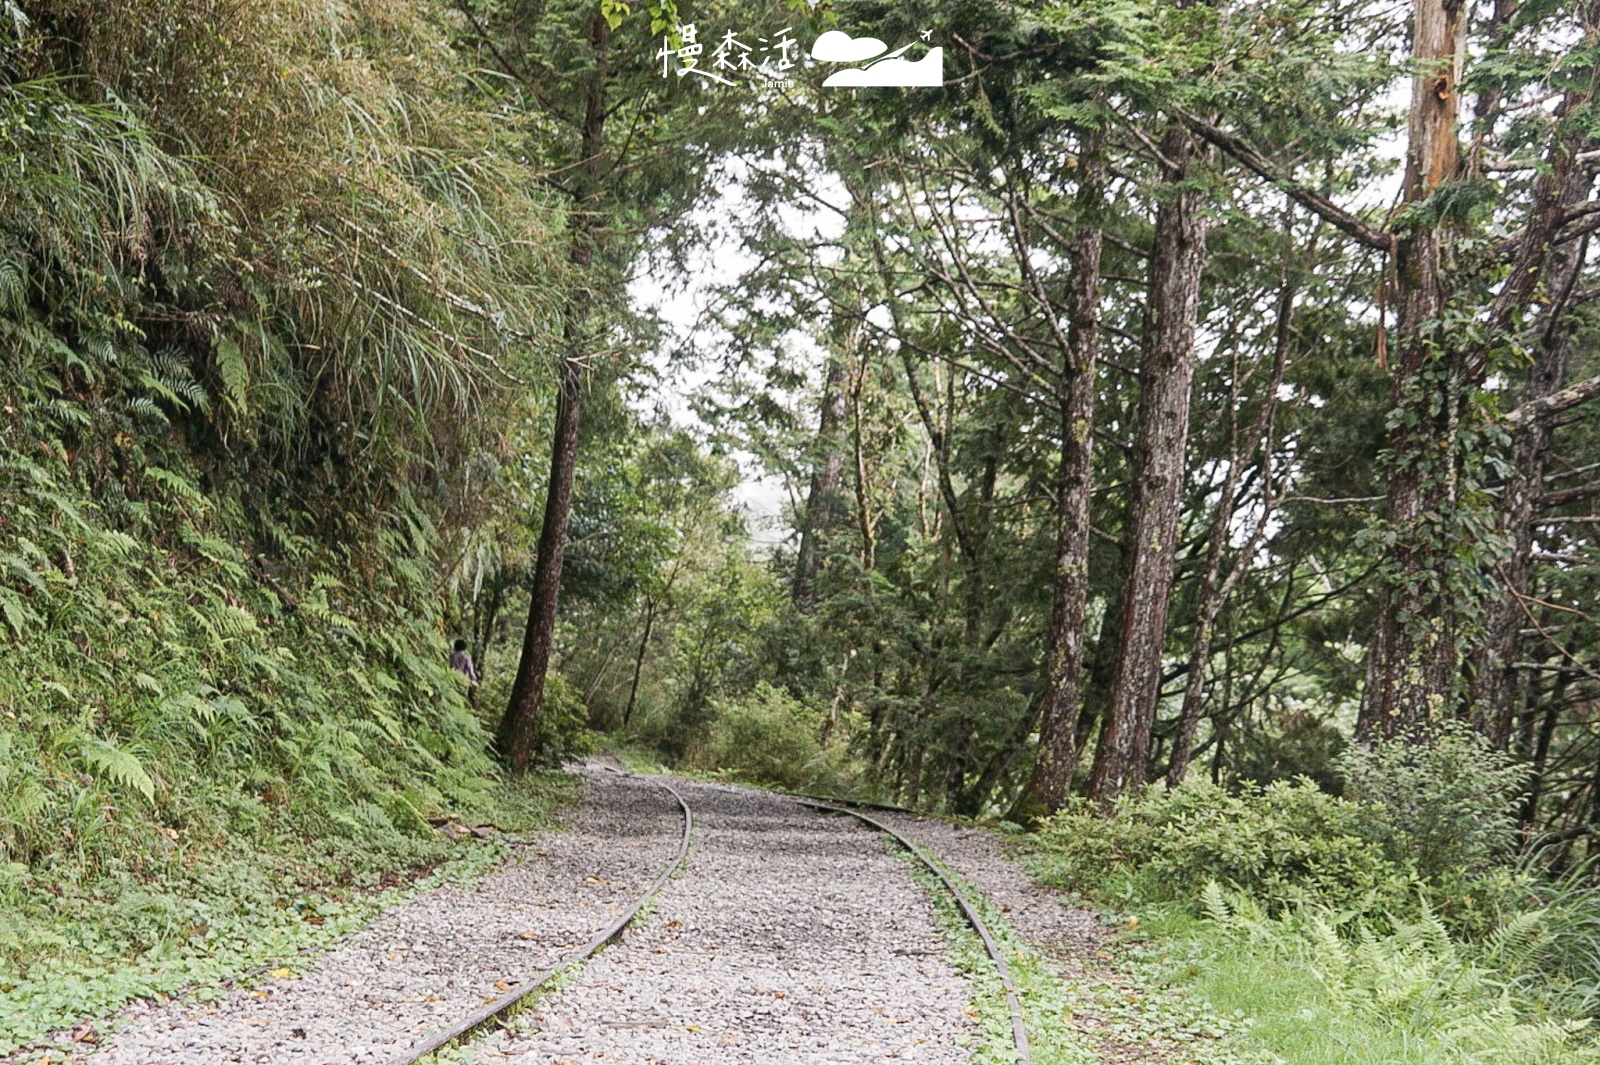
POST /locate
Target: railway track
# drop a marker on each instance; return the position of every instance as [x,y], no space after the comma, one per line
[503,1007]
[494,1013]
[1019,1027]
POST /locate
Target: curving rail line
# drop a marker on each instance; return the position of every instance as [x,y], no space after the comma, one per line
[1019,1030]
[502,1007]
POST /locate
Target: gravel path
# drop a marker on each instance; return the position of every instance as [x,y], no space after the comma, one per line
[1079,947]
[1067,933]
[792,938]
[433,959]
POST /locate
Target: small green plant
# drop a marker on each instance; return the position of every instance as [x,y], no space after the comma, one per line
[1448,804]
[1326,986]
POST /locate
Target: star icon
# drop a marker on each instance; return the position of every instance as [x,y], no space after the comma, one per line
[927,35]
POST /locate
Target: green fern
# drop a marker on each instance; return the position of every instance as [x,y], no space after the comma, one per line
[114,765]
[19,617]
[234,372]
[1517,943]
[1214,904]
[180,487]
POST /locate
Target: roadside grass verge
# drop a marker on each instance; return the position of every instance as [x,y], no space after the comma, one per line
[1389,925]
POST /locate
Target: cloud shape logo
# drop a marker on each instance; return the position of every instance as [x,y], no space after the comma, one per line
[836,46]
[927,72]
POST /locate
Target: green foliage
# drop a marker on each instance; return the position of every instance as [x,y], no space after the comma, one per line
[563,720]
[1448,805]
[265,279]
[220,909]
[1048,1011]
[1328,987]
[1435,818]
[1563,968]
[1285,842]
[770,738]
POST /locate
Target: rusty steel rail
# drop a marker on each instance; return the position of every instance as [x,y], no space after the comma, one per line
[1019,1029]
[497,1010]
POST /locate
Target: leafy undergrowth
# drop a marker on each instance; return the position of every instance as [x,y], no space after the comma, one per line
[246,429]
[1071,1019]
[1386,926]
[1317,992]
[1128,1003]
[220,916]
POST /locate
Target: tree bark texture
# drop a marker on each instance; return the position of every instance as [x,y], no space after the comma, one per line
[516,738]
[1166,376]
[823,493]
[1412,658]
[1054,764]
[1493,688]
[1549,268]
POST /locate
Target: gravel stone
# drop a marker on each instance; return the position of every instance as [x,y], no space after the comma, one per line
[793,937]
[433,959]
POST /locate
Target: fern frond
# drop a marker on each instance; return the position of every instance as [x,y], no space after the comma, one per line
[110,763]
[18,615]
[234,373]
[1517,942]
[1214,904]
[179,486]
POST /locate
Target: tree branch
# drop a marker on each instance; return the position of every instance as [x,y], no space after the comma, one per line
[1555,403]
[1302,194]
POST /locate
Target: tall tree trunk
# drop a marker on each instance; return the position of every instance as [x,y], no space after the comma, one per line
[863,483]
[1539,752]
[517,736]
[1166,375]
[638,660]
[1492,689]
[1492,686]
[1057,759]
[516,739]
[1412,659]
[822,495]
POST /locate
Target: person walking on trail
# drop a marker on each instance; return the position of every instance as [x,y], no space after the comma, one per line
[462,662]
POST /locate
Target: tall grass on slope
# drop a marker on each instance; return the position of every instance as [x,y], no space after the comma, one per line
[224,680]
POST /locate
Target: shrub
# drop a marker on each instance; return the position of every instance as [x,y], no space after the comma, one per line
[564,721]
[770,738]
[563,718]
[1448,805]
[1284,842]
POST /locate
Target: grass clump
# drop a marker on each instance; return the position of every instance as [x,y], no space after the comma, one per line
[1046,1006]
[1328,987]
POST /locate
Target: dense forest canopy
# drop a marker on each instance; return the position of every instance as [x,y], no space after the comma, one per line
[1176,389]
[1189,386]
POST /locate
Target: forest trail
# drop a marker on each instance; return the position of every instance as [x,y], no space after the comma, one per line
[430,960]
[789,937]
